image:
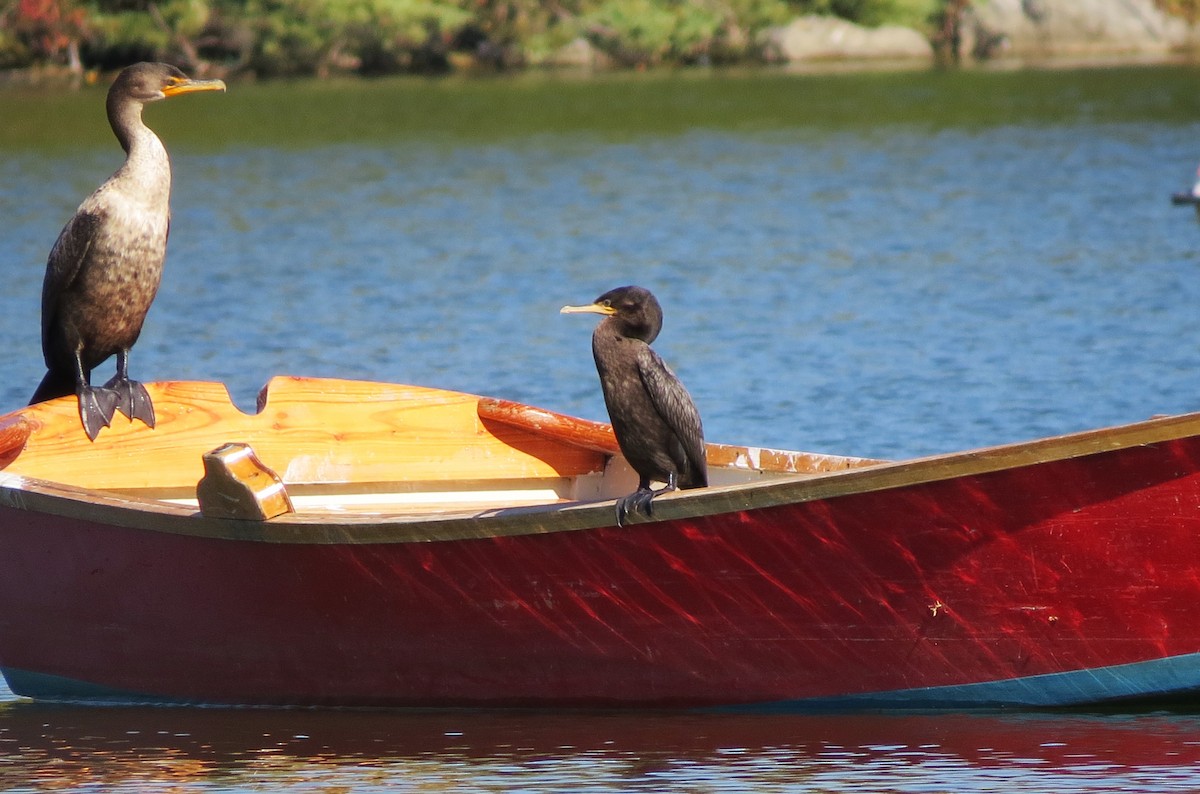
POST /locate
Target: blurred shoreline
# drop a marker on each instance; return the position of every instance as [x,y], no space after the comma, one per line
[997,35]
[55,77]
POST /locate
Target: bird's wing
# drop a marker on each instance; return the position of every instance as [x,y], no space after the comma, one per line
[65,262]
[675,406]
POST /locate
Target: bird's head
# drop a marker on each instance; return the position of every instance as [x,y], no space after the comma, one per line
[149,82]
[634,311]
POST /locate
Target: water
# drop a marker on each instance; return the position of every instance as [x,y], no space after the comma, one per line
[68,749]
[881,265]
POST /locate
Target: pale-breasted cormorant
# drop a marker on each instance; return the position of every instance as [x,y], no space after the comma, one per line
[655,421]
[106,265]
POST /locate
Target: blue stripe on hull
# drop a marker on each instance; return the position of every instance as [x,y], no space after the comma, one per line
[41,686]
[1159,678]
[1176,676]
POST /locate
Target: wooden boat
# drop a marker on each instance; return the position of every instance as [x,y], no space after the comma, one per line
[438,549]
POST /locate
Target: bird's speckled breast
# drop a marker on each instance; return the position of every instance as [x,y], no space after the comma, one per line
[124,266]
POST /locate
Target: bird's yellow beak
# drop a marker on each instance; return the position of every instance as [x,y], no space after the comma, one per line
[187,86]
[591,308]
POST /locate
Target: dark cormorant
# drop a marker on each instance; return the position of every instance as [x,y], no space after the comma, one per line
[656,423]
[105,267]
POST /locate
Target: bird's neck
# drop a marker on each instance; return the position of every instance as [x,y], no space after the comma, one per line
[125,118]
[631,332]
[146,161]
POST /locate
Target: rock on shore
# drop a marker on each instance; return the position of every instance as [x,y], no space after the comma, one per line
[819,38]
[997,28]
[1065,28]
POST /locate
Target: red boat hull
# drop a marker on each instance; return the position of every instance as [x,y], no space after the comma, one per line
[1065,582]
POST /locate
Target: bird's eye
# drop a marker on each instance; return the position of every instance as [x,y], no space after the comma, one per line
[606,303]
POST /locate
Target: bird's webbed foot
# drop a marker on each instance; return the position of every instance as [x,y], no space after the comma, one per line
[641,501]
[132,399]
[636,502]
[96,409]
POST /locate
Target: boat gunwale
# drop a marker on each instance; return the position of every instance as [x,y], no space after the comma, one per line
[408,526]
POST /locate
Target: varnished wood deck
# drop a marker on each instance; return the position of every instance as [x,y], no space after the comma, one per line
[353,447]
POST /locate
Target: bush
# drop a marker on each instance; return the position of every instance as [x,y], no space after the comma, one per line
[317,36]
[304,37]
[124,37]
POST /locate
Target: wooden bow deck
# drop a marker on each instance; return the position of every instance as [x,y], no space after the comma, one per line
[343,445]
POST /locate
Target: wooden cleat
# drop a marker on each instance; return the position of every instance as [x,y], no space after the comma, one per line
[236,484]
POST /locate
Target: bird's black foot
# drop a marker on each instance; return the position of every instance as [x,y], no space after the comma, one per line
[636,502]
[96,409]
[132,400]
[640,500]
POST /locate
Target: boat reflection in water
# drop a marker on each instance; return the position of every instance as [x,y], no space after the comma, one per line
[61,748]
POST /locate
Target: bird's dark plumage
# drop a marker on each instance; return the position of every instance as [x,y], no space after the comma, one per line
[104,269]
[656,423]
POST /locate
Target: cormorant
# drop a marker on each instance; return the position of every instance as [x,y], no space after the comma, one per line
[105,267]
[656,423]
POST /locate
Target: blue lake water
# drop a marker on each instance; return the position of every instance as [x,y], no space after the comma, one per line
[885,289]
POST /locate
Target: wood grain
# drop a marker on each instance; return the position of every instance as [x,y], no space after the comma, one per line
[308,430]
[236,484]
[14,433]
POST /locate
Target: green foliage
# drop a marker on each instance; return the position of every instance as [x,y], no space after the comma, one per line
[291,35]
[914,13]
[13,52]
[185,18]
[654,31]
[303,37]
[757,14]
[125,37]
[698,28]
[633,31]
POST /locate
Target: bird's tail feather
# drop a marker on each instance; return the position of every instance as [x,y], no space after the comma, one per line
[57,383]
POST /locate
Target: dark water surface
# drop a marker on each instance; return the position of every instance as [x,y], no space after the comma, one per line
[881,265]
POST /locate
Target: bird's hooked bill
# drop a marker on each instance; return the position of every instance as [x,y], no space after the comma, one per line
[188,86]
[591,308]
